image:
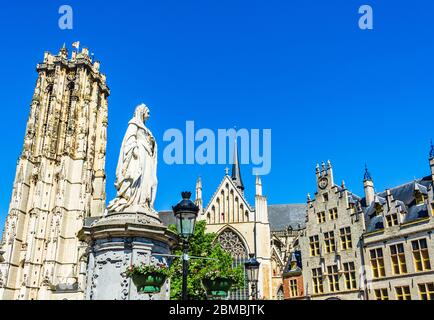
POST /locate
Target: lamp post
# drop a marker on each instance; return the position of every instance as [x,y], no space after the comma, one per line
[252,269]
[186,213]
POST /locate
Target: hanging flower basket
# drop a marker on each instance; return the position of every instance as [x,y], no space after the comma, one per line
[217,286]
[148,279]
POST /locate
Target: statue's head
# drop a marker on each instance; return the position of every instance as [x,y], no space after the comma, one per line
[142,112]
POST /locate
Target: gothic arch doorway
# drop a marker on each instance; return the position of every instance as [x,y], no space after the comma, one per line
[234,244]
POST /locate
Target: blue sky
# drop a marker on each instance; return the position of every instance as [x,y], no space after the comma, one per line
[304,69]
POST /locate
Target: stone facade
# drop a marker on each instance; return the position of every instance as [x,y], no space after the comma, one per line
[398,245]
[391,241]
[60,180]
[330,244]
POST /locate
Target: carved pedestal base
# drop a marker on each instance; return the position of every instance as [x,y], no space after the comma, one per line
[118,241]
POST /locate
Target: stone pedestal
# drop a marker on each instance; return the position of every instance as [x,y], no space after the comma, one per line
[118,241]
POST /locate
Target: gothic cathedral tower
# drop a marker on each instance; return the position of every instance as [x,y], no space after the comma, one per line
[60,180]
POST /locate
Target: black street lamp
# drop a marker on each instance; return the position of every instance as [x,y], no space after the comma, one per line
[186,213]
[252,269]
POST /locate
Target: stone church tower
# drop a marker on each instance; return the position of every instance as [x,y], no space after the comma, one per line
[60,180]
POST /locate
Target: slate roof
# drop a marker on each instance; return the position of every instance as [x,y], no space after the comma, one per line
[405,199]
[287,215]
[167,218]
[279,216]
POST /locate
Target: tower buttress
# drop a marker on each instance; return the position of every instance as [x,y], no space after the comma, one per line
[60,179]
[431,161]
[258,186]
[199,201]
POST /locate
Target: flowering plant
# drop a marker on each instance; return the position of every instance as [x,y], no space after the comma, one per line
[234,275]
[143,269]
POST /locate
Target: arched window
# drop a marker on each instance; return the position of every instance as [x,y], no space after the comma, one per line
[232,243]
[280,295]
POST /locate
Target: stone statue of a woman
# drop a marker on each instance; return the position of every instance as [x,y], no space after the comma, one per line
[136,173]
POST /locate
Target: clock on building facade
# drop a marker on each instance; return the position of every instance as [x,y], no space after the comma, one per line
[323,183]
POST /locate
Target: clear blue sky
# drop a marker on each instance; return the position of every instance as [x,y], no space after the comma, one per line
[327,89]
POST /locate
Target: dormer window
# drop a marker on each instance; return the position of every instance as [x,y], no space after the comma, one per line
[419,197]
[392,220]
[378,209]
[325,197]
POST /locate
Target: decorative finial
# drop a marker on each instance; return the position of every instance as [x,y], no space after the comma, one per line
[431,152]
[227,171]
[186,195]
[308,197]
[317,168]
[329,164]
[323,166]
[367,176]
[343,184]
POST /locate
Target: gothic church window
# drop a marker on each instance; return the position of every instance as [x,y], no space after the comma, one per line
[233,244]
[280,295]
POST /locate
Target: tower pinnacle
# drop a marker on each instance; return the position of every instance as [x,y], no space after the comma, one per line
[367,176]
[431,152]
[236,173]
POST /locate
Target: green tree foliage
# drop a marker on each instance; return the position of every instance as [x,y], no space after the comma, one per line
[202,244]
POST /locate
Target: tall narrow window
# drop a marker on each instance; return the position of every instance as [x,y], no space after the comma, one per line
[350,276]
[381,294]
[398,259]
[321,217]
[403,293]
[345,235]
[233,244]
[317,280]
[420,255]
[377,263]
[329,241]
[333,276]
[333,214]
[314,246]
[293,288]
[392,220]
[426,291]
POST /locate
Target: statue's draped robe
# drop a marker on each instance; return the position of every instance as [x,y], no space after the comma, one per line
[136,173]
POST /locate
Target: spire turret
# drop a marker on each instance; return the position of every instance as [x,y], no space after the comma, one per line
[236,172]
[367,176]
